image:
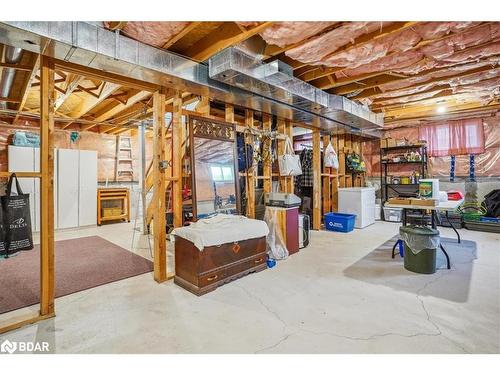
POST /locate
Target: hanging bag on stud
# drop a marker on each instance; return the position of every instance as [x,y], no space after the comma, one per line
[331,159]
[16,219]
[289,163]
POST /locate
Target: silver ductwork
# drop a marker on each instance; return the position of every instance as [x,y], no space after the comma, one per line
[275,80]
[12,56]
[89,45]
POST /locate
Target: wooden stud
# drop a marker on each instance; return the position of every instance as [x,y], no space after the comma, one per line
[289,134]
[266,126]
[229,113]
[47,97]
[335,182]
[281,150]
[177,158]
[250,186]
[159,199]
[327,203]
[316,180]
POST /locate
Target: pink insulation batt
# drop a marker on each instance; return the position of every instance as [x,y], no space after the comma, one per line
[153,33]
[320,46]
[286,33]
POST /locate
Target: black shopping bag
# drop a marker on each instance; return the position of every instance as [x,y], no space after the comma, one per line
[3,250]
[16,219]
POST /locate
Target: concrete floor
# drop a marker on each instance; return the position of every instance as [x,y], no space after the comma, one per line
[314,302]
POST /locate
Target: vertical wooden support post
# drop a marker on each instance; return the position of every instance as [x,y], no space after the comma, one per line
[336,180]
[229,113]
[47,98]
[250,186]
[267,172]
[281,150]
[177,158]
[159,181]
[327,203]
[316,180]
[289,132]
[341,154]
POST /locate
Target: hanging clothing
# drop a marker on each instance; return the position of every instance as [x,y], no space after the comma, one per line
[306,159]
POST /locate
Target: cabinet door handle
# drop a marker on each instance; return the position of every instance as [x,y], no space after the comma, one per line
[212,278]
[258,260]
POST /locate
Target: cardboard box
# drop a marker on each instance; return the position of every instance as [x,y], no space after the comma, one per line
[391,142]
[383,143]
[424,202]
[406,201]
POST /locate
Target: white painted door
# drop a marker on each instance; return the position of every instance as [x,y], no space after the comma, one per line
[22,159]
[67,188]
[88,188]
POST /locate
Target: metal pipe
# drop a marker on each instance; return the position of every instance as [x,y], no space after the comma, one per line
[12,56]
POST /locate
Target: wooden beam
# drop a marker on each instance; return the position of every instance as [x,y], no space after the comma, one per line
[177,158]
[47,97]
[159,193]
[25,68]
[108,113]
[228,34]
[250,183]
[229,113]
[181,35]
[326,196]
[316,180]
[289,133]
[91,73]
[68,90]
[27,86]
[91,102]
[267,167]
[9,100]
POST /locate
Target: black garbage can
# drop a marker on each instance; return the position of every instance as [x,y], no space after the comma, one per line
[420,244]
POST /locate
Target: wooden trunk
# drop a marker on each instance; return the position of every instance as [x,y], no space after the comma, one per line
[201,272]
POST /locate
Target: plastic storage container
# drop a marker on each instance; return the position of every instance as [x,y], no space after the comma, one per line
[393,214]
[378,213]
[337,222]
[420,244]
[359,201]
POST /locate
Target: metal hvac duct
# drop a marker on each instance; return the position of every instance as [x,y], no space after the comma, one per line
[275,80]
[12,56]
[89,45]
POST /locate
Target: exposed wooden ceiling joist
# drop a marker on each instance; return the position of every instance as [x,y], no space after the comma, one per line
[228,34]
[318,72]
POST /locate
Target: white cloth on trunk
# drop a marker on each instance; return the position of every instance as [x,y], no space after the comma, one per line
[221,229]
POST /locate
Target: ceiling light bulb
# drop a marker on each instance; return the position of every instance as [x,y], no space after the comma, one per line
[441,109]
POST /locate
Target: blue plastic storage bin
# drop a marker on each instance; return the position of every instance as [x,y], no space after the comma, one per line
[486,219]
[338,222]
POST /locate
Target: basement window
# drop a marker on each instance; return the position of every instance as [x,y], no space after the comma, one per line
[222,173]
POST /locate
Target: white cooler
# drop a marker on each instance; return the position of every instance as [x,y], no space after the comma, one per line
[359,201]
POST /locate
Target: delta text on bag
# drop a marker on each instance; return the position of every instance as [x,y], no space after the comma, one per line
[16,219]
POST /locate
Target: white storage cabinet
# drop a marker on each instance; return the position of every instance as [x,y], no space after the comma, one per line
[75,185]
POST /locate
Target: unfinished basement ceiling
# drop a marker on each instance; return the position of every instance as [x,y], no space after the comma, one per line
[379,64]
